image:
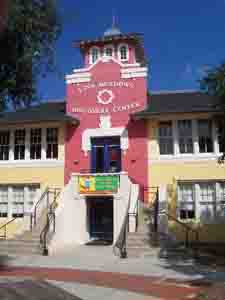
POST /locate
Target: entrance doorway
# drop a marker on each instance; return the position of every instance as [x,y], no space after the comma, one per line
[106,155]
[100,214]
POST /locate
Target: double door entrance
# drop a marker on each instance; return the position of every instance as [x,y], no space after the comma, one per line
[100,210]
[105,155]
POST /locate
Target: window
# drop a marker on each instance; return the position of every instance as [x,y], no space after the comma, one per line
[186,202]
[108,51]
[207,201]
[18,202]
[205,136]
[94,55]
[52,143]
[19,144]
[123,52]
[32,193]
[165,138]
[35,143]
[3,202]
[4,145]
[185,136]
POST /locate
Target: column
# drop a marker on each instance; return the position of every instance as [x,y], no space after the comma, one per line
[175,138]
[27,144]
[43,143]
[195,136]
[215,139]
[10,202]
[197,201]
[11,145]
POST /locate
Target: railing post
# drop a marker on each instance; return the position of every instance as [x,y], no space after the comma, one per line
[123,253]
[5,233]
[156,211]
[187,239]
[31,222]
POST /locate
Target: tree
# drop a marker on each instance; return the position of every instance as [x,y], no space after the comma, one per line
[213,83]
[27,49]
[3,14]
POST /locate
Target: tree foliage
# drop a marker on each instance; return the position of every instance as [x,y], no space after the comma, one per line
[213,83]
[27,49]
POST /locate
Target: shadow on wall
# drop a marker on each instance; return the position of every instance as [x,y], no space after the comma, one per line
[211,224]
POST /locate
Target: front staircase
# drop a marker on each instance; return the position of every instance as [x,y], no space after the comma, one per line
[26,244]
[33,241]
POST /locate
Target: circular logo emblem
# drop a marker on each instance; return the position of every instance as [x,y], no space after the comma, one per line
[105,96]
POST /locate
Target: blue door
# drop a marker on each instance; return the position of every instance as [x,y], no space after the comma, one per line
[106,155]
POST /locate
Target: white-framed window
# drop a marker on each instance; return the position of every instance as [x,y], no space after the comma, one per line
[19,144]
[203,201]
[185,136]
[186,201]
[165,135]
[123,52]
[3,201]
[109,51]
[207,201]
[35,143]
[32,193]
[94,54]
[205,139]
[52,143]
[4,145]
[18,202]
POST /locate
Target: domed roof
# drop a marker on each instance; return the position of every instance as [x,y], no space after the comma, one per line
[112,31]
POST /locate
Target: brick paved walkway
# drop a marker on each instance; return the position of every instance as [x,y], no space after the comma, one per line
[146,285]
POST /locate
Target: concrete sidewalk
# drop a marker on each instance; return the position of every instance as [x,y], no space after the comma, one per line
[101,258]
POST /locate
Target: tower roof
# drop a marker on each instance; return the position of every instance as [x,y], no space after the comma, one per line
[114,30]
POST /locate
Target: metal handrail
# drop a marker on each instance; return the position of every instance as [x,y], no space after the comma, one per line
[185,226]
[50,218]
[5,227]
[36,206]
[122,239]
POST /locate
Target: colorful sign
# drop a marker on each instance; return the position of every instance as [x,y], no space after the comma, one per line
[98,184]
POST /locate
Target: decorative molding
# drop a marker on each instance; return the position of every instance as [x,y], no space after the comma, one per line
[105,132]
[78,78]
[112,58]
[105,122]
[134,72]
[101,93]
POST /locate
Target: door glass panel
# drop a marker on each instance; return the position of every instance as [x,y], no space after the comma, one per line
[99,159]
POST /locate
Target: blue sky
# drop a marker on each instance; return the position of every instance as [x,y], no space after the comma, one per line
[181,38]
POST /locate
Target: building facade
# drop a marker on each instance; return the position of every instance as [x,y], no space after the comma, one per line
[108,144]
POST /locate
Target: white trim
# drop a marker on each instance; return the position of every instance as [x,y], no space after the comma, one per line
[32,163]
[114,59]
[134,72]
[118,52]
[182,158]
[78,78]
[105,132]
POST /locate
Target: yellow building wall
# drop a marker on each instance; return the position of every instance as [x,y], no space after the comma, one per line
[47,176]
[169,172]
